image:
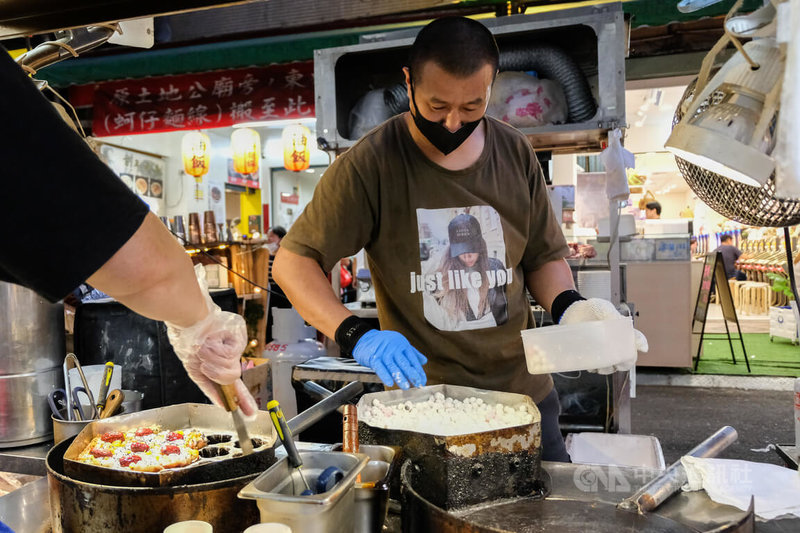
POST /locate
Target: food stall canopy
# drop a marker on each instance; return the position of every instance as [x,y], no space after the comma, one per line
[26,17]
[261,32]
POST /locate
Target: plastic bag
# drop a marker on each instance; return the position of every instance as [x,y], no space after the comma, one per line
[370,111]
[616,160]
[787,147]
[526,101]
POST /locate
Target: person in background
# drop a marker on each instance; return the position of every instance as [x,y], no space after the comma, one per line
[274,236]
[111,241]
[652,211]
[692,245]
[347,284]
[443,154]
[277,299]
[730,254]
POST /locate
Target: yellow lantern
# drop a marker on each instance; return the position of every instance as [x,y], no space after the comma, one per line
[246,145]
[196,150]
[296,152]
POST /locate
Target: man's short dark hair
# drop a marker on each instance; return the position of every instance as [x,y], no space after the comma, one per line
[654,205]
[459,45]
[280,231]
[725,238]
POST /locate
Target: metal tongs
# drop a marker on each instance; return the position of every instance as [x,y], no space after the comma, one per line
[74,411]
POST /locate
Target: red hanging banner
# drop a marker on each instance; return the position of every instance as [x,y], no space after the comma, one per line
[202,101]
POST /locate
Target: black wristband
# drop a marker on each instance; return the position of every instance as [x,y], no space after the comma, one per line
[561,302]
[349,331]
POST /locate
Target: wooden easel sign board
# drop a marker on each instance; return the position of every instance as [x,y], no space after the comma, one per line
[714,274]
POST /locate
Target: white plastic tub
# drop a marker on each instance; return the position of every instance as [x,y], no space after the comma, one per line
[582,346]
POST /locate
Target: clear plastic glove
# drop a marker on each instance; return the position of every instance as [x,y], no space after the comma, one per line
[392,358]
[211,350]
[599,309]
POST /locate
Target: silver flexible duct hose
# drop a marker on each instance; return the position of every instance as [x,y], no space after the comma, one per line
[548,60]
[556,64]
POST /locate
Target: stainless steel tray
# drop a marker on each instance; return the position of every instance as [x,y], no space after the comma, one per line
[221,458]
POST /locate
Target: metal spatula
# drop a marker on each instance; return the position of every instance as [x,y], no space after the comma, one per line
[231,401]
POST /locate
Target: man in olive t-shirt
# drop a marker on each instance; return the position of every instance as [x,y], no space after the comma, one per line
[470,188]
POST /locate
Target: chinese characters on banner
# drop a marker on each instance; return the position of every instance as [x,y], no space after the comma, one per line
[202,101]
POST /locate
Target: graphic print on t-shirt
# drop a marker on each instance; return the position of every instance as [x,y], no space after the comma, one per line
[462,275]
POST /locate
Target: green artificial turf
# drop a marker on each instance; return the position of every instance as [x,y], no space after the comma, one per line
[777,358]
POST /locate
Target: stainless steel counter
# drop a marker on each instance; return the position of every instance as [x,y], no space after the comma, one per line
[25,510]
[25,460]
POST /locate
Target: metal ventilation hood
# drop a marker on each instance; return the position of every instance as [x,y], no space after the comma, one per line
[596,37]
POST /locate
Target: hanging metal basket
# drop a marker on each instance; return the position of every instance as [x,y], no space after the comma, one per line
[754,206]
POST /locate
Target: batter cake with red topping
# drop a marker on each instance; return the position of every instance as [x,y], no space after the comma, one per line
[144,449]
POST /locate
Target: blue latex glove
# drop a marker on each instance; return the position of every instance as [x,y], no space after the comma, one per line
[392,358]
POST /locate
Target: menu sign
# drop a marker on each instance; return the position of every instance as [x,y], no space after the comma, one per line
[246,180]
[200,101]
[143,173]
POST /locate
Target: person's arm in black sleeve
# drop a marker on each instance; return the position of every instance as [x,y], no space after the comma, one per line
[67,218]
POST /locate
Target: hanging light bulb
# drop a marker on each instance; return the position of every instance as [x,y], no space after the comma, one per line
[296,152]
[246,146]
[196,151]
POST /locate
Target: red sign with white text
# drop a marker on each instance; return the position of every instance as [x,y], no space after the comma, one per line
[202,101]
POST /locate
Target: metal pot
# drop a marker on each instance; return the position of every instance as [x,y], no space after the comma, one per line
[31,331]
[31,353]
[80,507]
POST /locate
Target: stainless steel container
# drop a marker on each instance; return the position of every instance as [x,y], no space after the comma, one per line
[25,416]
[31,353]
[372,494]
[31,331]
[64,429]
[277,490]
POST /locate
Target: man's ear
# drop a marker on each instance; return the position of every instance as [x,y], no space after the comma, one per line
[407,74]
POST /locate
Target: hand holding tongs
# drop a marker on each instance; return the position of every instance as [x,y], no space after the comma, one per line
[73,407]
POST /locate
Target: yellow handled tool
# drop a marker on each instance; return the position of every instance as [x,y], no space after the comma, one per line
[285,434]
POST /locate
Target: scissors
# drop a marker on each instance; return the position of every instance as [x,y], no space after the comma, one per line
[70,361]
[57,400]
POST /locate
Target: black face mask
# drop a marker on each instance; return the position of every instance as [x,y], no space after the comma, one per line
[443,139]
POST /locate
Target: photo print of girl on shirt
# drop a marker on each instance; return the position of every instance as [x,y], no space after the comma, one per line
[462,263]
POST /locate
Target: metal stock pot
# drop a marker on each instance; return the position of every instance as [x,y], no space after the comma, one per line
[31,354]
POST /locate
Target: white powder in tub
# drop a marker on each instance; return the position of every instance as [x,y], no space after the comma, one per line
[440,415]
